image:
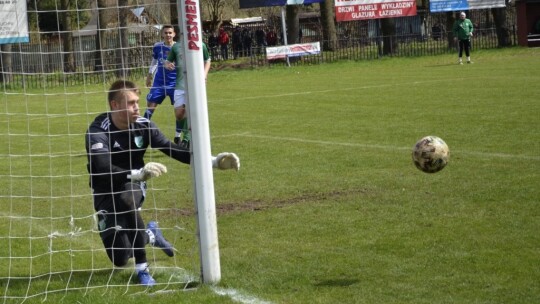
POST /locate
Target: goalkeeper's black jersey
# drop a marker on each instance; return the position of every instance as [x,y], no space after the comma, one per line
[113,153]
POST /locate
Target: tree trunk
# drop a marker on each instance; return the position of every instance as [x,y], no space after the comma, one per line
[293,26]
[388,29]
[214,9]
[174,18]
[67,38]
[122,52]
[100,39]
[6,75]
[503,33]
[328,26]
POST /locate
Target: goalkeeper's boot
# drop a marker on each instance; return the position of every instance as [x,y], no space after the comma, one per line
[145,278]
[157,239]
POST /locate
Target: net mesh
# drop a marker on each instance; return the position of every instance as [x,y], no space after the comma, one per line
[52,89]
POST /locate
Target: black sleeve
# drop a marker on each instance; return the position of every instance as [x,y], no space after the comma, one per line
[160,142]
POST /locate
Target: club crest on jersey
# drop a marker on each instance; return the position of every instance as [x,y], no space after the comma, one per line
[139,141]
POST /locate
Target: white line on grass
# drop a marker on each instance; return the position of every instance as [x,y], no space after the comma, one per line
[340,89]
[234,294]
[382,147]
[237,296]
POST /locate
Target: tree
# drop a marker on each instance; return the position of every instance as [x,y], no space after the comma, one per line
[100,39]
[328,25]
[5,64]
[122,52]
[48,15]
[215,11]
[67,37]
[292,22]
[173,9]
[503,33]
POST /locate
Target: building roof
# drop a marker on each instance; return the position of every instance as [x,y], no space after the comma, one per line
[137,23]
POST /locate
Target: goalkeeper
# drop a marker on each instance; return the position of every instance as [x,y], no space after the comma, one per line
[115,144]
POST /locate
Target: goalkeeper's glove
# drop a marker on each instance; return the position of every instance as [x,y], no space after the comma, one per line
[149,170]
[226,160]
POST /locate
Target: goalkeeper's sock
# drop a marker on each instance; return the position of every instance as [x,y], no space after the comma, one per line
[148,113]
[141,267]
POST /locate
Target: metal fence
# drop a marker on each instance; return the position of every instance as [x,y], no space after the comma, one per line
[36,65]
[372,48]
[424,34]
[42,65]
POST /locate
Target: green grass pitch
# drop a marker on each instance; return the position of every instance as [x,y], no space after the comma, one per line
[328,206]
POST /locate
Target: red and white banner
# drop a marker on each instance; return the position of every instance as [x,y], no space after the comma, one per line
[293,50]
[349,10]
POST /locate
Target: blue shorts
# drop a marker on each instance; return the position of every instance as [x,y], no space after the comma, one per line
[158,94]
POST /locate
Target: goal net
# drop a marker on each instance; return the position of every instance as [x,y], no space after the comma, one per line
[53,86]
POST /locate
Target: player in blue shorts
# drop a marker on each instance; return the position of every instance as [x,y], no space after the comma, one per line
[160,80]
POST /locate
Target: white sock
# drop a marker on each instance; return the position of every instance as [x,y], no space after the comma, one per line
[141,267]
[151,237]
[468,58]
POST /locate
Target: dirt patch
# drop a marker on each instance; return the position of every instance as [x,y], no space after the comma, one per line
[260,205]
[231,66]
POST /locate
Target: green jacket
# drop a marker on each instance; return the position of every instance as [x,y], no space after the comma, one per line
[462,29]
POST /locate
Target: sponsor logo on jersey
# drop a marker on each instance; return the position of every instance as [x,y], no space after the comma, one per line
[139,141]
[97,146]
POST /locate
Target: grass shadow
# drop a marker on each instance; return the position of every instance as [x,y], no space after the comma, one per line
[337,282]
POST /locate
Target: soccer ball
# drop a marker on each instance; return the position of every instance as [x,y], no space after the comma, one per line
[430,154]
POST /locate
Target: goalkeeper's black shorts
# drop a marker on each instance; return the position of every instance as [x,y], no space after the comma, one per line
[119,210]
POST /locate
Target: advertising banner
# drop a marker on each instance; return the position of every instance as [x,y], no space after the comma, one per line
[349,10]
[263,3]
[436,6]
[293,50]
[14,24]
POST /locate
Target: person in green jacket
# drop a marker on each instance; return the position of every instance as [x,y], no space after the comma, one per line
[463,31]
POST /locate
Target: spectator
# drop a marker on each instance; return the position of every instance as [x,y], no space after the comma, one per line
[260,38]
[463,31]
[237,42]
[247,41]
[213,45]
[436,32]
[223,40]
[271,38]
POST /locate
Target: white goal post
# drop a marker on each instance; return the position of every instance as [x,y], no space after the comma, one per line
[191,35]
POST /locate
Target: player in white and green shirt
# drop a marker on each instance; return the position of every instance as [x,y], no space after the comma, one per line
[183,135]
